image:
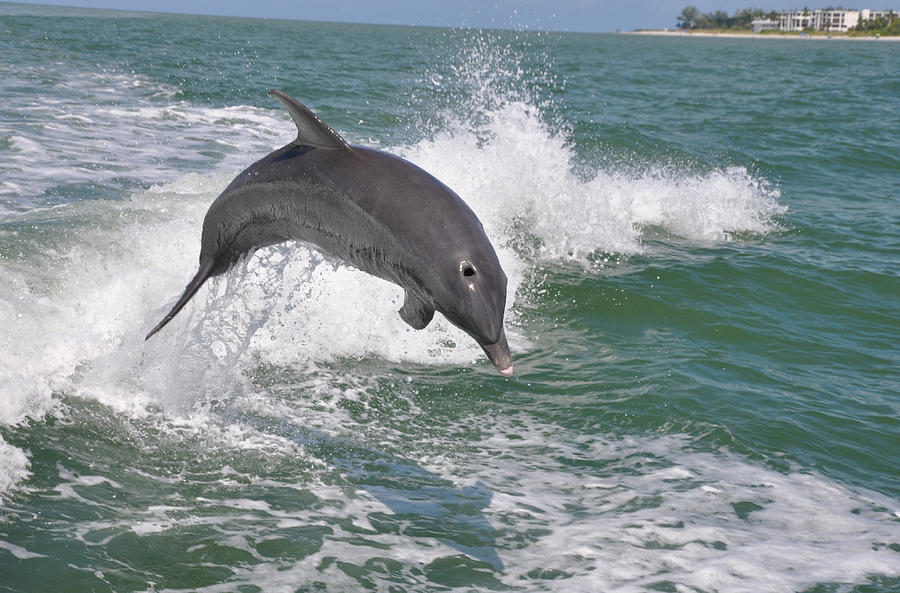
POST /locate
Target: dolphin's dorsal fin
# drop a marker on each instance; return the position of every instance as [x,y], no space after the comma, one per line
[311,131]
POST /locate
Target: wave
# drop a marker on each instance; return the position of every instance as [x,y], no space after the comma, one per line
[108,134]
[641,513]
[97,273]
[523,177]
[85,280]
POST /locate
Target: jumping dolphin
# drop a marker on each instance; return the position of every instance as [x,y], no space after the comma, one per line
[372,210]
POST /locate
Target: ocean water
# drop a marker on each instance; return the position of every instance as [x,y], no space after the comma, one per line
[703,244]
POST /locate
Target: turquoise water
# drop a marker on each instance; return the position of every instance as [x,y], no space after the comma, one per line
[703,244]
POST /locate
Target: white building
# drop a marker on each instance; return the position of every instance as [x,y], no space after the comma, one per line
[838,21]
[867,16]
[795,20]
[759,25]
[835,20]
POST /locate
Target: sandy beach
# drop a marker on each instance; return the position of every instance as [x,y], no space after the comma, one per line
[792,36]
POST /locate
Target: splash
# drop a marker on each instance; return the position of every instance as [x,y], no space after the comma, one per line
[494,133]
[14,467]
[514,171]
[522,184]
[79,301]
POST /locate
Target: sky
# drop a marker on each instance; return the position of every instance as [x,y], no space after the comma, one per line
[554,15]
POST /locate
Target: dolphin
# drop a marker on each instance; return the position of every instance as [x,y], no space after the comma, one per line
[372,210]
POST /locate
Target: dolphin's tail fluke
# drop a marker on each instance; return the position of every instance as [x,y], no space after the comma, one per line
[205,271]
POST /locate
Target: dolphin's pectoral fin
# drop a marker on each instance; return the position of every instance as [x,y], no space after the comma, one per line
[416,312]
[311,131]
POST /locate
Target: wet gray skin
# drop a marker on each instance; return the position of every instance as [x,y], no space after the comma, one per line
[372,210]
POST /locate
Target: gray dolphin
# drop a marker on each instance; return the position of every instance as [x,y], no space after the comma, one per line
[372,210]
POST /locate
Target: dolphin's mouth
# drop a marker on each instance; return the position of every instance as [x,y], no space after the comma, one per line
[498,353]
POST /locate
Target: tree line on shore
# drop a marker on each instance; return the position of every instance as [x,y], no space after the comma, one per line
[691,18]
[883,25]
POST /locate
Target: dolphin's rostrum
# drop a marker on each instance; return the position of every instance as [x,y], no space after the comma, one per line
[372,210]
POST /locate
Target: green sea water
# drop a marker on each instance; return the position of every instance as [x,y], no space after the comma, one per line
[703,244]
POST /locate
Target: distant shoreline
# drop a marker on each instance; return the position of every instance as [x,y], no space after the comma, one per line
[749,35]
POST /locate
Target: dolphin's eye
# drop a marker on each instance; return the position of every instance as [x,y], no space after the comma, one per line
[467,269]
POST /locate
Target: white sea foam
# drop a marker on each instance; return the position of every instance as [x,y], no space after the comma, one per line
[14,467]
[637,514]
[642,514]
[523,177]
[77,315]
[19,552]
[74,314]
[664,513]
[101,127]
